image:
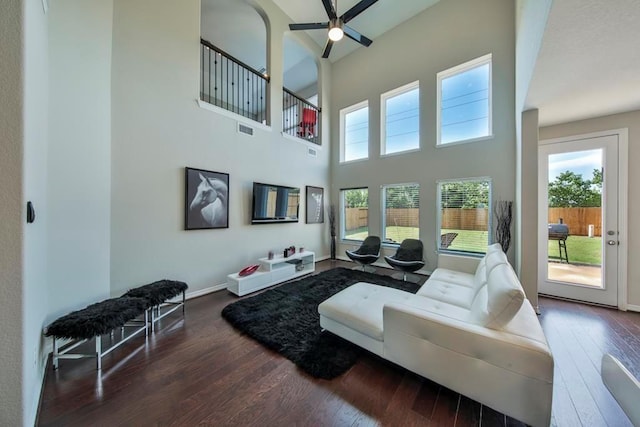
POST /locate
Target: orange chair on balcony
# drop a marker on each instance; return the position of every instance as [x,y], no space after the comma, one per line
[308,124]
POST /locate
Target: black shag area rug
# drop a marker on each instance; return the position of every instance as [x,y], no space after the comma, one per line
[286,320]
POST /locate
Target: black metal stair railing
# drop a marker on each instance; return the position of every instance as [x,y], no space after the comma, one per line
[300,118]
[229,83]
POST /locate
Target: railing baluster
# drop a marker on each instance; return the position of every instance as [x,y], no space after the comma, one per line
[215,78]
[300,118]
[237,87]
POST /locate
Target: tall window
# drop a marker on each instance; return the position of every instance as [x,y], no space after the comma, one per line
[464,102]
[355,213]
[401,119]
[354,132]
[400,212]
[464,218]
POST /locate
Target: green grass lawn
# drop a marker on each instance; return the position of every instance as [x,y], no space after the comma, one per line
[580,249]
[468,240]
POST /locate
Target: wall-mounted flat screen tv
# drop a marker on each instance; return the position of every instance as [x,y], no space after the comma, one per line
[274,203]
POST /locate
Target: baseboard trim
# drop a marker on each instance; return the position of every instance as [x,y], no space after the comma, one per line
[631,307]
[205,291]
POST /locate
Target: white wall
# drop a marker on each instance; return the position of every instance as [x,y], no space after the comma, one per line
[531,21]
[445,35]
[79,180]
[631,121]
[158,129]
[528,206]
[35,189]
[11,210]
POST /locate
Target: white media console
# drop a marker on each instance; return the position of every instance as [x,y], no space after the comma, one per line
[272,271]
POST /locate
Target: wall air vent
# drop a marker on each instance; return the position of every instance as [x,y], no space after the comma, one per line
[247,130]
[312,152]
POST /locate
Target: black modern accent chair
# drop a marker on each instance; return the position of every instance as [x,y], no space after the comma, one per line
[367,253]
[408,257]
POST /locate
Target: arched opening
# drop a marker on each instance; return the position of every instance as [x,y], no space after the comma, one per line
[233,56]
[301,114]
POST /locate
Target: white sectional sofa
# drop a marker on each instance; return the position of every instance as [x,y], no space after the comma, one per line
[471,331]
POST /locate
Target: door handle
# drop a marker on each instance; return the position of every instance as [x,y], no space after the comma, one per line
[612,242]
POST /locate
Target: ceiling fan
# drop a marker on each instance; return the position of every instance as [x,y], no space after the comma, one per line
[338,25]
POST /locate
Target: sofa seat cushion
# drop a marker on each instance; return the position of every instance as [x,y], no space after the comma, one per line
[360,307]
[448,292]
[452,276]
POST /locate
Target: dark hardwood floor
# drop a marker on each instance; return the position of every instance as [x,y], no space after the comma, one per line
[197,370]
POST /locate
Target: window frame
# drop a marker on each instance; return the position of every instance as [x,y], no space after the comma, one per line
[343,114]
[459,69]
[383,216]
[383,117]
[343,220]
[439,215]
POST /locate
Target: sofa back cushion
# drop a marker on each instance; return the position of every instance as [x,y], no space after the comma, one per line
[499,299]
[493,257]
[504,296]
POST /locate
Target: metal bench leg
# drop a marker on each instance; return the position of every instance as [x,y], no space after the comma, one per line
[55,353]
[99,351]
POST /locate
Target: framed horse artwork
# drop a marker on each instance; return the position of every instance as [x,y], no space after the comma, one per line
[206,199]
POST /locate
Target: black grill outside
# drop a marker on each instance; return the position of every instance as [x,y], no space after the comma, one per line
[558,231]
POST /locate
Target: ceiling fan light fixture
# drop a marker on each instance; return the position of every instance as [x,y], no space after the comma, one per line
[335,32]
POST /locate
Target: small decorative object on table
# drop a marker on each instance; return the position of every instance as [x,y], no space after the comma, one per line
[270,255]
[248,270]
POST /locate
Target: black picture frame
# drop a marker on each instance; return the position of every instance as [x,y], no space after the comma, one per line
[314,210]
[206,199]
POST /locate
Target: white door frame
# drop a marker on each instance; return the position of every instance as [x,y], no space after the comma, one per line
[623,191]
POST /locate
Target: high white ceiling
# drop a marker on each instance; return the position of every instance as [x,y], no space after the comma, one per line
[373,22]
[589,62]
[588,66]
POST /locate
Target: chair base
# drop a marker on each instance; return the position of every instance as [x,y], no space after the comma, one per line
[365,267]
[406,277]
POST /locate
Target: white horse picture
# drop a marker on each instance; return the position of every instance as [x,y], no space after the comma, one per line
[208,207]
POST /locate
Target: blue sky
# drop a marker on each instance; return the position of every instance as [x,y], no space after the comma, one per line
[579,162]
[403,122]
[465,105]
[356,134]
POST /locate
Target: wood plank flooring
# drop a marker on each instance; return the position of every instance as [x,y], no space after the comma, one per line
[199,371]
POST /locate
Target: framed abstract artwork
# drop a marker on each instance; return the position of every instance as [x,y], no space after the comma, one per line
[315,205]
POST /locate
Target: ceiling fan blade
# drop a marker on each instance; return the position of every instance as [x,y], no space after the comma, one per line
[327,48]
[309,26]
[331,11]
[356,10]
[354,35]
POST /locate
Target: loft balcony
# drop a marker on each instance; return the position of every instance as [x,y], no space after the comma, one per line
[228,83]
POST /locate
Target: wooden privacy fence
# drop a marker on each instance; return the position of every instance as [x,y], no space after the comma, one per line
[452,218]
[403,217]
[356,218]
[465,219]
[578,219]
